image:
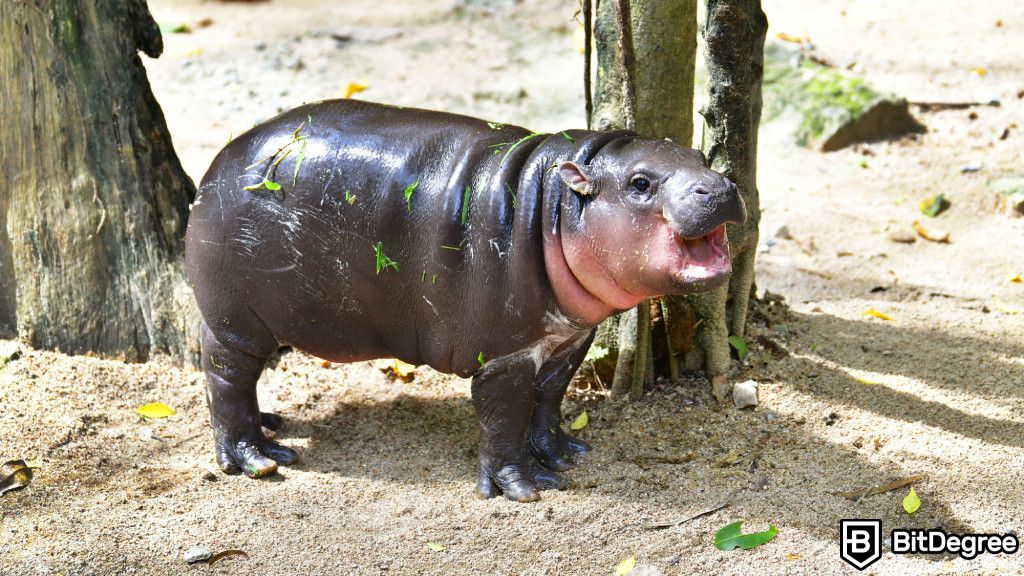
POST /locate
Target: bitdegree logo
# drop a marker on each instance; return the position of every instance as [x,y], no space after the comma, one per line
[938,541]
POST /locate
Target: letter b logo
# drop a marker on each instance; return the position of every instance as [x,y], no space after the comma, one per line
[860,542]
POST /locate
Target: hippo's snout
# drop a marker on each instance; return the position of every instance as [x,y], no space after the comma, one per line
[704,206]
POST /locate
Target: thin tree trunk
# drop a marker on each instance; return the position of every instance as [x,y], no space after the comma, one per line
[694,330]
[658,50]
[734,57]
[94,202]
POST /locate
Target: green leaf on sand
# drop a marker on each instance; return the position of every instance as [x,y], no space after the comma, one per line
[933,205]
[580,422]
[435,546]
[911,502]
[731,537]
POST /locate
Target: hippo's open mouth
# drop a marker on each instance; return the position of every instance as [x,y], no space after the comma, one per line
[706,258]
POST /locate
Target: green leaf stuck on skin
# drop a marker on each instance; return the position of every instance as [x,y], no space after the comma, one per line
[383,262]
[568,137]
[408,193]
[740,345]
[731,537]
[467,193]
[350,197]
[480,359]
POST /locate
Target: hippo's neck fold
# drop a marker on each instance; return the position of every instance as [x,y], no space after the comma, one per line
[582,306]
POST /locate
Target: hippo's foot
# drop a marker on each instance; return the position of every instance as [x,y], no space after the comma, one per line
[519,482]
[256,455]
[556,450]
[271,421]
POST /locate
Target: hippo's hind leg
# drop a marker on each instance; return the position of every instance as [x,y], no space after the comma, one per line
[552,446]
[233,366]
[504,396]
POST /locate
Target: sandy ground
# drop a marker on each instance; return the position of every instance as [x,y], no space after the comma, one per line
[387,466]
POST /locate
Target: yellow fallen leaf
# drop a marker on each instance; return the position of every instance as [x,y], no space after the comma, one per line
[194,52]
[866,381]
[580,422]
[626,566]
[403,369]
[793,39]
[155,410]
[792,556]
[980,71]
[911,502]
[1014,278]
[352,89]
[940,236]
[876,314]
[435,546]
[1006,308]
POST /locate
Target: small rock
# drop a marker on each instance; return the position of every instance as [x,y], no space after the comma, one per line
[294,63]
[903,237]
[745,394]
[830,417]
[970,167]
[721,387]
[782,232]
[197,554]
[208,476]
[9,351]
[1010,189]
[260,46]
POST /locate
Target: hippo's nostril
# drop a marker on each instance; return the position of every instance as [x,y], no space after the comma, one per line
[700,190]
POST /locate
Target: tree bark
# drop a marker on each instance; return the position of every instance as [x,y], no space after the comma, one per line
[655,57]
[734,33]
[95,202]
[659,55]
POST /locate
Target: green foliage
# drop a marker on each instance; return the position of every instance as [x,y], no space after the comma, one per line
[383,262]
[730,537]
[821,96]
[740,345]
[408,193]
[467,193]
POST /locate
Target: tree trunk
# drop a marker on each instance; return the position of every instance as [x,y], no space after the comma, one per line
[734,58]
[645,83]
[94,202]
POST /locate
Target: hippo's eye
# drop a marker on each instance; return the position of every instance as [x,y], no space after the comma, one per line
[640,183]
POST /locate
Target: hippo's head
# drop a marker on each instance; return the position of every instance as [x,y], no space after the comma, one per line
[644,218]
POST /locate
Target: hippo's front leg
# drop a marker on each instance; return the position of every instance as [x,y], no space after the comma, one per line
[504,396]
[552,446]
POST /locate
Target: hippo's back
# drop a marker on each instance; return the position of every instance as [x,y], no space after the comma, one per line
[354,230]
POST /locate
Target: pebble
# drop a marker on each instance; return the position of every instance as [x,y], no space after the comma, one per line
[197,554]
[903,237]
[973,166]
[782,232]
[745,394]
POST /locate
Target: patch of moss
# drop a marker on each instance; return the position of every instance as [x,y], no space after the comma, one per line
[831,98]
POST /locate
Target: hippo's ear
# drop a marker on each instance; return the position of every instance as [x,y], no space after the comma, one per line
[576,178]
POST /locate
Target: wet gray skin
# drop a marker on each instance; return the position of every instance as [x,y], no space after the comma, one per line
[481,250]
